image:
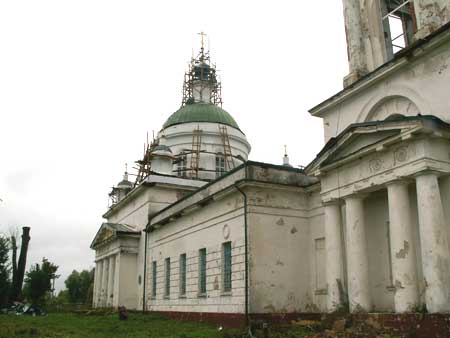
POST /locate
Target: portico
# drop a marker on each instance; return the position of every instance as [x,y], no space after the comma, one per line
[395,247]
[116,265]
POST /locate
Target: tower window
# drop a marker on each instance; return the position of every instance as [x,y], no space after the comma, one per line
[220,165]
[399,24]
[182,165]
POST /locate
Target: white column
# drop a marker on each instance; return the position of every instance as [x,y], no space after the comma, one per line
[434,242]
[334,255]
[104,282]
[357,258]
[98,285]
[403,253]
[116,298]
[109,296]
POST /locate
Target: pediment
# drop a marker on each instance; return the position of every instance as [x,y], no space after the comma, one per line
[359,141]
[110,231]
[361,138]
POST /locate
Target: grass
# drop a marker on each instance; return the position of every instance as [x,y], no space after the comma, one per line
[61,325]
[69,325]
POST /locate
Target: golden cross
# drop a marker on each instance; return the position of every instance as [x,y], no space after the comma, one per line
[202,34]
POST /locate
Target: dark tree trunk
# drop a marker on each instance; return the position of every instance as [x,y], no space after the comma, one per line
[20,269]
[14,292]
[23,257]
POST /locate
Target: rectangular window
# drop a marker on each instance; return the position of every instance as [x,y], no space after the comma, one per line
[320,264]
[167,284]
[202,271]
[399,24]
[182,165]
[183,275]
[226,267]
[220,165]
[154,266]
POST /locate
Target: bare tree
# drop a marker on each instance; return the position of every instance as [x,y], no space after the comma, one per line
[19,267]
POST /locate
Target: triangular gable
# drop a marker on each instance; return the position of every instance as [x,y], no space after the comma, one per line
[360,137]
[109,231]
[359,141]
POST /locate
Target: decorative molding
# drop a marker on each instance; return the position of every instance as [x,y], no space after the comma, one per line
[226,231]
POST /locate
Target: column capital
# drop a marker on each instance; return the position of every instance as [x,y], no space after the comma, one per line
[427,172]
[332,201]
[356,196]
[400,181]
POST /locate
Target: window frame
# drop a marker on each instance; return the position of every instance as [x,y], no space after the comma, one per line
[183,275]
[167,277]
[202,275]
[227,281]
[154,279]
[391,13]
[220,165]
[182,165]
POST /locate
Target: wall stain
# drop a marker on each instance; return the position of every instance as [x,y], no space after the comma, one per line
[280,263]
[280,222]
[403,252]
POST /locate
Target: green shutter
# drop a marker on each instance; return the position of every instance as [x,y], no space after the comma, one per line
[167,284]
[227,266]
[182,274]
[202,271]
[154,266]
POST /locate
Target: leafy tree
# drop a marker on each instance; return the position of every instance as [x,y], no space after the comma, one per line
[80,286]
[38,281]
[5,283]
[50,270]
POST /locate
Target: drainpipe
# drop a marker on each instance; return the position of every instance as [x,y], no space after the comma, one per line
[247,319]
[145,273]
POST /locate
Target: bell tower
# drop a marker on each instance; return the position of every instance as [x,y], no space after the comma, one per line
[377,29]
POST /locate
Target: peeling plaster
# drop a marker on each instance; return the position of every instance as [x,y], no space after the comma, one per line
[403,252]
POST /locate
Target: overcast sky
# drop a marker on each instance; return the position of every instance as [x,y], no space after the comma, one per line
[82,82]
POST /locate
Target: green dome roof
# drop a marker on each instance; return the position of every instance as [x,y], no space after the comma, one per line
[200,112]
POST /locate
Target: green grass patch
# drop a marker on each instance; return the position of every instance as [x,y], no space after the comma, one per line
[80,326]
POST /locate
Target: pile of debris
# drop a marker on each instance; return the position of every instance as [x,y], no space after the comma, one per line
[20,309]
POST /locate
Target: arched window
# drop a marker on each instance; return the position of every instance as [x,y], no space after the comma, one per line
[182,165]
[220,165]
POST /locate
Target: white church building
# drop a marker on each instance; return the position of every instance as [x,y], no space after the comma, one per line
[365,227]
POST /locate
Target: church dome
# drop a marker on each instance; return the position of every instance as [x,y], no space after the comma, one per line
[201,112]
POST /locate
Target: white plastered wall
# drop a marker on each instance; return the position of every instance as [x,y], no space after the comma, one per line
[411,83]
[282,231]
[202,228]
[179,139]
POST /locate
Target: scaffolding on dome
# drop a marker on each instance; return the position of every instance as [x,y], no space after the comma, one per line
[144,165]
[202,71]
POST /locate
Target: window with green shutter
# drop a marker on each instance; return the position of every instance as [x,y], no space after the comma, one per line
[154,266]
[167,284]
[183,275]
[202,271]
[226,266]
